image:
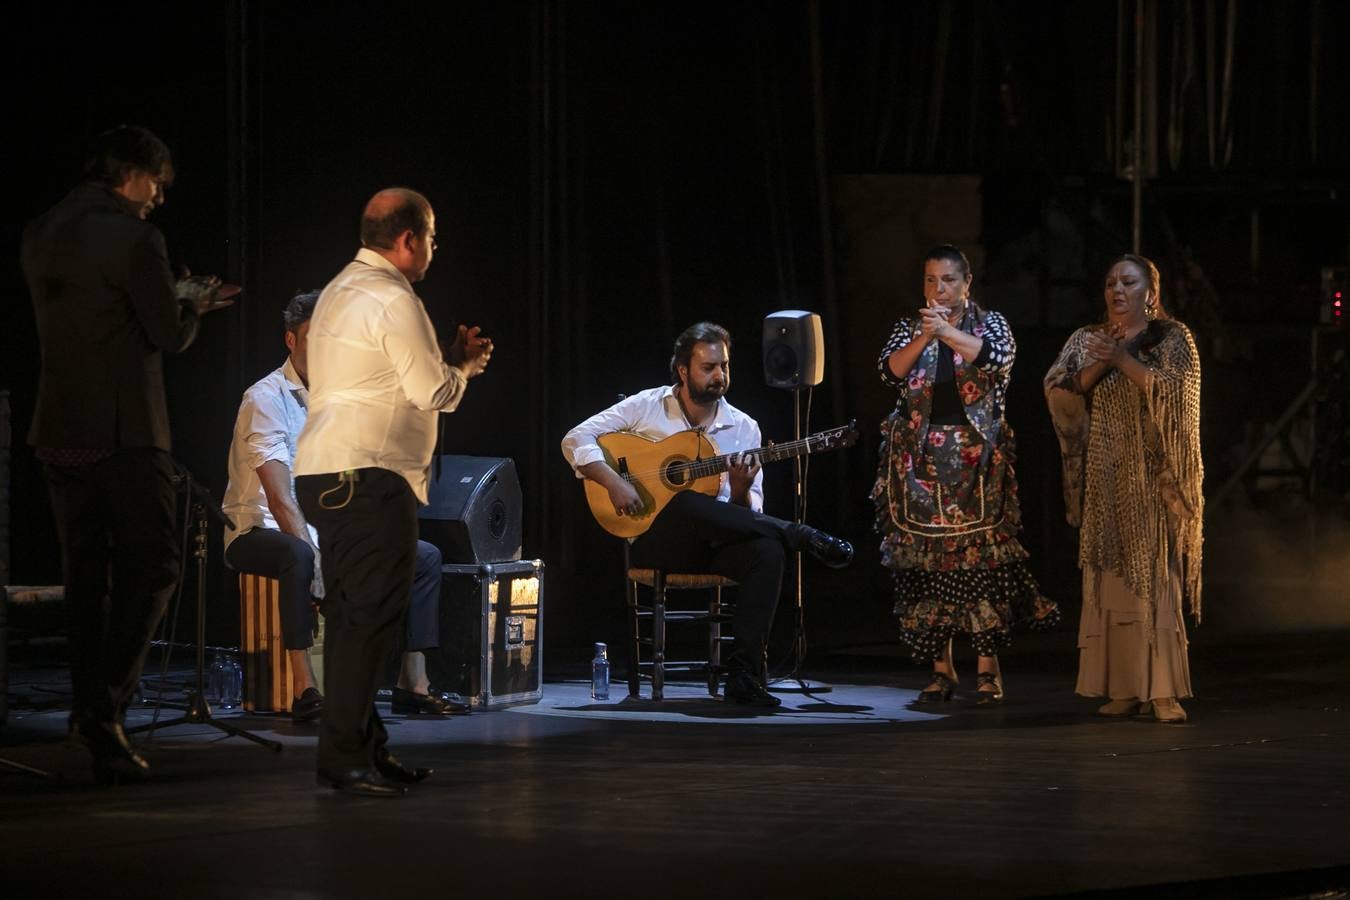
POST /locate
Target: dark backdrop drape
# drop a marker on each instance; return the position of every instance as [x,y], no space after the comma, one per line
[606,173]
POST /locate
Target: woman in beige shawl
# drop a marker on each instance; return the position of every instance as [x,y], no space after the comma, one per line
[1125,400]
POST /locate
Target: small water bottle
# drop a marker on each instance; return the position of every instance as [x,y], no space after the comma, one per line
[232,682]
[600,673]
[215,679]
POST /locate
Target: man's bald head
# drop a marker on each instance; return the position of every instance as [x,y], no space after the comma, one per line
[392,212]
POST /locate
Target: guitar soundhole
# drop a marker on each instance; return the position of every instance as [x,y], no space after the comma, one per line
[677,474]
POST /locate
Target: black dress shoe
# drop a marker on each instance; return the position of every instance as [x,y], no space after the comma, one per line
[115,760]
[744,689]
[308,706]
[360,781]
[832,551]
[388,765]
[408,703]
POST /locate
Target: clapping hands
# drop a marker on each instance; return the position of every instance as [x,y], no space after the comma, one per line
[932,321]
[1106,346]
[206,293]
[470,351]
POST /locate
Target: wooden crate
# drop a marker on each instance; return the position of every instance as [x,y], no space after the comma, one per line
[268,680]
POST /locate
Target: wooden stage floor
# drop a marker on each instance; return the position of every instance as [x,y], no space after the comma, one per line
[845,794]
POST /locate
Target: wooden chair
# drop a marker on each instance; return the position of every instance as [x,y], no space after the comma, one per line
[658,615]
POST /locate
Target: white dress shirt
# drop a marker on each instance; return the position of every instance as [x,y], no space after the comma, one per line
[656,413]
[269,421]
[376,377]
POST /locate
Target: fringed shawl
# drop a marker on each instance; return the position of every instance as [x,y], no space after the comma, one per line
[1132,468]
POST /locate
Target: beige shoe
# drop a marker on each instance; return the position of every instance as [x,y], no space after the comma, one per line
[1118,708]
[1168,711]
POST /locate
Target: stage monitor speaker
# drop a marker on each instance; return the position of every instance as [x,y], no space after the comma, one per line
[794,349]
[473,511]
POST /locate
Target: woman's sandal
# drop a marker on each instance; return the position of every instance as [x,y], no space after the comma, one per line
[988,698]
[940,694]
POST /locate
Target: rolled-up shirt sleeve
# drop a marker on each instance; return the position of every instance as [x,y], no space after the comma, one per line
[409,341]
[262,428]
[579,446]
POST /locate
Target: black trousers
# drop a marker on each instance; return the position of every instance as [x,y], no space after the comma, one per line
[368,537]
[276,554]
[698,533]
[120,554]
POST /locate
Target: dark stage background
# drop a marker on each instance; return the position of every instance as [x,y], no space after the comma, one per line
[606,173]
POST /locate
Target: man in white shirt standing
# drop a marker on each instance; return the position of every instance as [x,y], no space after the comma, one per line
[271,537]
[377,382]
[729,534]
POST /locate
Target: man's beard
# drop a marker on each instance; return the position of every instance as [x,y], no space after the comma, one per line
[707,394]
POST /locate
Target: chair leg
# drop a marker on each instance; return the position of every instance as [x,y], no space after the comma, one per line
[714,640]
[658,634]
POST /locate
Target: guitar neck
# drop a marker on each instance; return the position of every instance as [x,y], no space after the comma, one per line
[716,465]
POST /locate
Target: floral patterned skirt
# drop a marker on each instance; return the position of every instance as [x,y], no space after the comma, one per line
[949,518]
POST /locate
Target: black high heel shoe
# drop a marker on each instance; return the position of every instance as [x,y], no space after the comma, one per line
[988,698]
[940,694]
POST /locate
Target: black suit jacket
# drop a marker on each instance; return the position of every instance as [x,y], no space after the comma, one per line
[106,307]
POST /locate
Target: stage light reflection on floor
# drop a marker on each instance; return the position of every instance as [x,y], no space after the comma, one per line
[845,704]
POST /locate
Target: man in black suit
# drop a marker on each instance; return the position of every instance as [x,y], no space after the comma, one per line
[107,305]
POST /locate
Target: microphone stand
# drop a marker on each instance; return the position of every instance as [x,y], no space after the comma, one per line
[198,711]
[794,682]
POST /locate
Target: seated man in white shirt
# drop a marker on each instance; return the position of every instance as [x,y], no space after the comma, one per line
[728,535]
[272,538]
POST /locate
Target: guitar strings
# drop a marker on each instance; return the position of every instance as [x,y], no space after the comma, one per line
[806,442]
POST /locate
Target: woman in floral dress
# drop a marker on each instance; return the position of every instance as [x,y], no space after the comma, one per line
[946,495]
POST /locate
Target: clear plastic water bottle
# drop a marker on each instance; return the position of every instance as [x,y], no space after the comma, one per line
[600,673]
[232,682]
[215,679]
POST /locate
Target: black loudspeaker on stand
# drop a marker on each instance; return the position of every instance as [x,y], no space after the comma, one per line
[794,359]
[794,350]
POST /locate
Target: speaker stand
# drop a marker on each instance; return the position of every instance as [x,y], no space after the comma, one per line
[794,682]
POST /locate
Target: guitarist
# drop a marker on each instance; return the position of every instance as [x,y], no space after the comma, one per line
[729,534]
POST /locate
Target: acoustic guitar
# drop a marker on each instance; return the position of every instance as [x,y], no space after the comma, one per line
[685,461]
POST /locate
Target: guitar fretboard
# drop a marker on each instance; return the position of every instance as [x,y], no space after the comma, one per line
[716,465]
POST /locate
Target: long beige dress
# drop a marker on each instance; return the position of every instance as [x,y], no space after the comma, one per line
[1132,484]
